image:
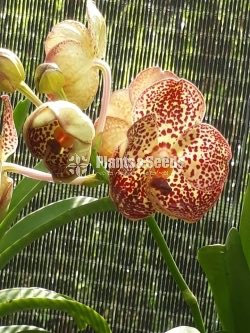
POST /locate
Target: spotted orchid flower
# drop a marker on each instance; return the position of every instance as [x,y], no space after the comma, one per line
[8,145]
[167,115]
[77,50]
[61,135]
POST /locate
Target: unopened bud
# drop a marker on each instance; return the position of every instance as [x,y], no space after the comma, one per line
[49,78]
[11,71]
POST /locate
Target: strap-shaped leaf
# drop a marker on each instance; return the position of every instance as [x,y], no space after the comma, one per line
[36,224]
[20,113]
[21,329]
[245,224]
[16,299]
[229,277]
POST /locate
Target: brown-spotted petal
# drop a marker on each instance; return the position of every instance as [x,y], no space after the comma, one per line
[97,28]
[128,182]
[81,81]
[178,106]
[182,200]
[146,78]
[69,30]
[9,139]
[205,153]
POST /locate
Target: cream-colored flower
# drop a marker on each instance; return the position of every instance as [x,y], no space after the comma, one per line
[75,48]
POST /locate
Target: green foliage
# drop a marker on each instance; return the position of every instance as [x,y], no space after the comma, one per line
[245,224]
[36,224]
[229,277]
[20,114]
[12,300]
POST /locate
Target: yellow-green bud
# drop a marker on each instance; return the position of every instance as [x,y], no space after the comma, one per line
[49,78]
[11,71]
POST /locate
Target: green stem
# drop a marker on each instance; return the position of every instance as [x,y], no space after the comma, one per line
[29,93]
[187,294]
[61,94]
[100,170]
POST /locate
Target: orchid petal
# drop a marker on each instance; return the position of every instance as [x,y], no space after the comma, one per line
[9,139]
[118,121]
[97,28]
[184,201]
[146,78]
[81,81]
[114,134]
[6,189]
[178,106]
[120,105]
[128,182]
[68,30]
[205,155]
[127,190]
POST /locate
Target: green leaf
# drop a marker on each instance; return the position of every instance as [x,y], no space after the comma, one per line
[21,299]
[245,224]
[25,190]
[229,277]
[36,224]
[21,329]
[20,114]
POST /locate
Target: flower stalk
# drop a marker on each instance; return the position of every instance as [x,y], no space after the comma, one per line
[89,180]
[187,294]
[106,72]
[29,93]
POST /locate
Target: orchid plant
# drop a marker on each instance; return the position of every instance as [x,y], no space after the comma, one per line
[161,158]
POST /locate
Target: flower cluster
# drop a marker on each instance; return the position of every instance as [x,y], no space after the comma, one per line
[159,116]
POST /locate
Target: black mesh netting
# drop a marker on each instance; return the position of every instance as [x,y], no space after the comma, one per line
[106,261]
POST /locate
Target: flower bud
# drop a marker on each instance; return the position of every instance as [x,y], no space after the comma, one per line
[11,71]
[49,78]
[60,134]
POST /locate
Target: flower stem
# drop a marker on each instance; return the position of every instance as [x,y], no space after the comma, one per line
[100,170]
[89,180]
[61,94]
[187,294]
[29,93]
[104,67]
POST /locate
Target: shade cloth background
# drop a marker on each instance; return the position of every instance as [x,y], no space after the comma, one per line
[106,261]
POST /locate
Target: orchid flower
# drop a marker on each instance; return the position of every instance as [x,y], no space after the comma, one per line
[167,115]
[78,50]
[59,133]
[8,145]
